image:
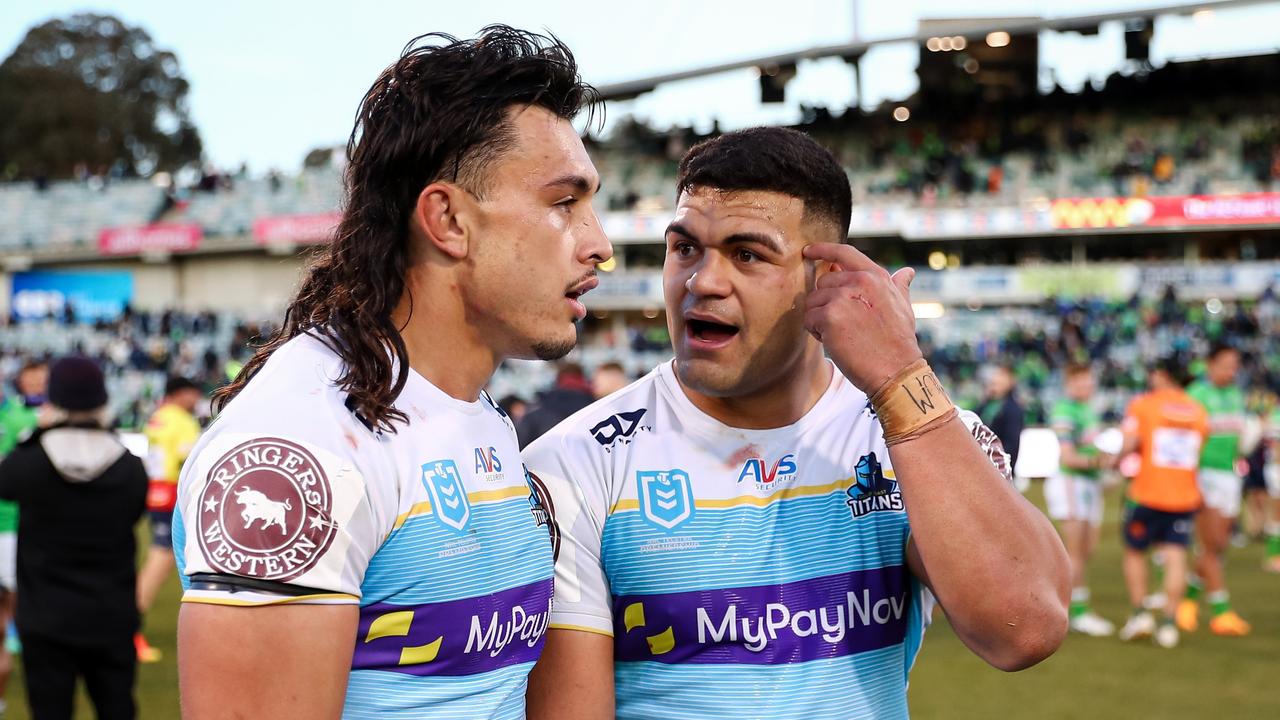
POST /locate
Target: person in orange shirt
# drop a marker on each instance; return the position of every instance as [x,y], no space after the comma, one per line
[1168,429]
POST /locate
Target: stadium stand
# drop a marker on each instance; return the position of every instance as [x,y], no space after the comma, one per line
[1133,137]
[72,213]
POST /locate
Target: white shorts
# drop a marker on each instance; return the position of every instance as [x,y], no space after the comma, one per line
[9,561]
[1221,490]
[1271,472]
[1071,497]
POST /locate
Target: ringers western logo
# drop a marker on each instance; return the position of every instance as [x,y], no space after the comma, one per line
[265,511]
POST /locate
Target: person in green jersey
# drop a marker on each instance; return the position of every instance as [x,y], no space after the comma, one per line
[1221,487]
[17,418]
[1271,471]
[1074,493]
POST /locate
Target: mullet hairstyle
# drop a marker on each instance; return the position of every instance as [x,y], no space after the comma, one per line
[438,114]
[772,159]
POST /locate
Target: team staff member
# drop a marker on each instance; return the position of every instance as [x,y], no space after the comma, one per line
[358,491]
[171,431]
[1222,489]
[750,529]
[80,494]
[1168,428]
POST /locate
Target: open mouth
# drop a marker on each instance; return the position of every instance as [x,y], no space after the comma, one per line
[710,331]
[574,294]
[582,287]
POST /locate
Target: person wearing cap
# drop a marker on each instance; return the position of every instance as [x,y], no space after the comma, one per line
[172,431]
[80,494]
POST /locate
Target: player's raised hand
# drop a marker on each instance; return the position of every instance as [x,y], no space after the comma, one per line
[862,315]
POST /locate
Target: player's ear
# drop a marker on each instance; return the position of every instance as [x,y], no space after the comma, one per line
[440,217]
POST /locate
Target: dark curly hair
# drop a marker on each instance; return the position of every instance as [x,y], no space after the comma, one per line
[437,114]
[773,159]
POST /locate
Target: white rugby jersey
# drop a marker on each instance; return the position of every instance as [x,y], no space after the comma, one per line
[431,530]
[741,573]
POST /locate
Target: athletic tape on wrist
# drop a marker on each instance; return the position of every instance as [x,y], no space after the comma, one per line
[912,404]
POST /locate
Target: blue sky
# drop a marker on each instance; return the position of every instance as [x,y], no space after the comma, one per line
[271,80]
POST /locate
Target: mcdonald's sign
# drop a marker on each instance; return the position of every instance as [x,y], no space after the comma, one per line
[1080,213]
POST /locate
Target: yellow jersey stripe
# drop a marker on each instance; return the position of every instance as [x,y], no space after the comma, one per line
[475,498]
[581,628]
[217,600]
[754,500]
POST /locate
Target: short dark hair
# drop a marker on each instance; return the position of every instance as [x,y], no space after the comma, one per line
[1175,368]
[772,159]
[1221,347]
[566,369]
[439,113]
[177,383]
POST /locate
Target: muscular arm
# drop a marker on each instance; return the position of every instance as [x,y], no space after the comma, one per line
[264,662]
[574,678]
[992,559]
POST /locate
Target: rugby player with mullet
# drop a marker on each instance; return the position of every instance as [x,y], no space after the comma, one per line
[355,532]
[758,529]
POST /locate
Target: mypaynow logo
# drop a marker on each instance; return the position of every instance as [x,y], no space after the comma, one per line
[824,617]
[458,637]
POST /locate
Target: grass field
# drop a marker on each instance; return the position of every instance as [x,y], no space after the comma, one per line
[1090,678]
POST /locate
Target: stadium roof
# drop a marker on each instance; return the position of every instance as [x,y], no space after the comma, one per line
[980,26]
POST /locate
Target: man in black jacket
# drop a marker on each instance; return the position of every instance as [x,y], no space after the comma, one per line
[571,393]
[1002,412]
[80,494]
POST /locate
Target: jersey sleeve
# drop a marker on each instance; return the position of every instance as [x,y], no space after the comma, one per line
[990,443]
[1063,423]
[1132,417]
[1199,392]
[268,518]
[576,486]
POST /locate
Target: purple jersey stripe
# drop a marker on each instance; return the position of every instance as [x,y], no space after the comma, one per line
[458,637]
[822,617]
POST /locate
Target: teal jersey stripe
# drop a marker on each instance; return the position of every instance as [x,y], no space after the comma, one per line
[816,690]
[426,562]
[178,536]
[382,695]
[782,542]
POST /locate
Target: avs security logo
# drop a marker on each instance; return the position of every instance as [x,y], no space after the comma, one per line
[620,427]
[488,465]
[265,511]
[872,491]
[448,495]
[666,498]
[769,477]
